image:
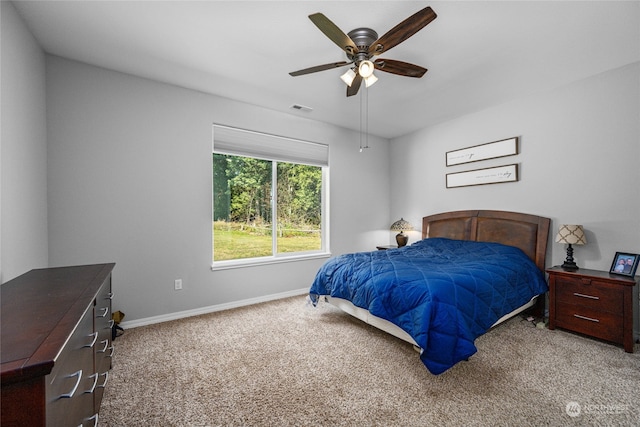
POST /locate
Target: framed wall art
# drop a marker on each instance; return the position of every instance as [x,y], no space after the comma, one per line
[494,175]
[490,150]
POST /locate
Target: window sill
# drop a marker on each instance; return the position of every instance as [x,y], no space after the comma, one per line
[253,262]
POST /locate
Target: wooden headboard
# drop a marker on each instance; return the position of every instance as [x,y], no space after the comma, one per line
[527,232]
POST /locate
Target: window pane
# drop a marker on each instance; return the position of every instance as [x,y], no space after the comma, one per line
[241,207]
[299,207]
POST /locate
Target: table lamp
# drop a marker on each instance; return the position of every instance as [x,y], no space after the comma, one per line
[401,225]
[571,235]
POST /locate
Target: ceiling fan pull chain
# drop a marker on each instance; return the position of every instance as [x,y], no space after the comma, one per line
[361,121]
[364,118]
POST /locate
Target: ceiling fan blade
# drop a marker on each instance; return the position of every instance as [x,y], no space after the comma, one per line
[319,68]
[355,85]
[400,68]
[403,31]
[334,33]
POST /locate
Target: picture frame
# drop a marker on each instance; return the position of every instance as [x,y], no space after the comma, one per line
[494,175]
[624,264]
[489,150]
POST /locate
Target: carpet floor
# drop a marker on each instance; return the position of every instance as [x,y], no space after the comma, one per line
[286,363]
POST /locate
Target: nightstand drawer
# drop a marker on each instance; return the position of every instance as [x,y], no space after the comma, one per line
[590,293]
[607,326]
[593,302]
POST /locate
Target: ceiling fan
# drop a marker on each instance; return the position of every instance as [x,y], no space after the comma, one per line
[363,44]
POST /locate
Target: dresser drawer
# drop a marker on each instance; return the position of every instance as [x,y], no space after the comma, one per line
[600,324]
[70,383]
[590,293]
[103,326]
[104,346]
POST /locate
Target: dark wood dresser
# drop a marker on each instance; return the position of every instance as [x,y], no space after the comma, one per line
[593,303]
[55,346]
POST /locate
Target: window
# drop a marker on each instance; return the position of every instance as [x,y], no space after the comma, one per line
[268,198]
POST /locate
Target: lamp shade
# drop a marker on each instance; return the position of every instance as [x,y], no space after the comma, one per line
[571,234]
[348,77]
[366,68]
[370,80]
[401,225]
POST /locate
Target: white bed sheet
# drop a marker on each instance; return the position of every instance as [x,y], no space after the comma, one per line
[390,328]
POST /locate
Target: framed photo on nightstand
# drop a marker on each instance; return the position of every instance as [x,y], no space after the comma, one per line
[624,264]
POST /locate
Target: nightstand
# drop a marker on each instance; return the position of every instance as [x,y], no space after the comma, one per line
[593,303]
[385,247]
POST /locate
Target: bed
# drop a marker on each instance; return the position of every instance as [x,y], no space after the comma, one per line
[472,270]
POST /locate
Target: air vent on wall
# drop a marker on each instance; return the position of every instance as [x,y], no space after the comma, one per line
[301,108]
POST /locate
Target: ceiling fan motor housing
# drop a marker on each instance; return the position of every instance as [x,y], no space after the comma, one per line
[362,38]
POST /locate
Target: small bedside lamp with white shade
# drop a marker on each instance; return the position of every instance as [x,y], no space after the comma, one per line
[401,225]
[571,235]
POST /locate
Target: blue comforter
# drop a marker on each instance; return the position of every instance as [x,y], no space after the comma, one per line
[444,293]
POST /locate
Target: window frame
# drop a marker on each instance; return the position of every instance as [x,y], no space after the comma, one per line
[275,257]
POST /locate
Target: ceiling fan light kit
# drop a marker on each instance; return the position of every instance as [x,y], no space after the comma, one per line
[365,68]
[348,77]
[368,81]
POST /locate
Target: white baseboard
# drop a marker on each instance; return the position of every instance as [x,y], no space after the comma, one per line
[210,309]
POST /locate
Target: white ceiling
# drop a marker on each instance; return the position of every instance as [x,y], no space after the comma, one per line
[478,53]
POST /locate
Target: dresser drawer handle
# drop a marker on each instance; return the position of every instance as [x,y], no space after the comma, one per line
[111,323]
[585,296]
[590,319]
[106,344]
[75,387]
[95,338]
[95,383]
[112,350]
[109,296]
[106,378]
[106,310]
[94,419]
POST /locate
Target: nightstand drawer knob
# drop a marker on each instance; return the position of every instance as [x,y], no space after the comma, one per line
[586,280]
[590,319]
[585,296]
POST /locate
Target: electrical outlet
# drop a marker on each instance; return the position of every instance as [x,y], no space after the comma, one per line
[177,284]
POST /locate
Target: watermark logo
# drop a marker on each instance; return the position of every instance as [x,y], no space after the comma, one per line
[573,409]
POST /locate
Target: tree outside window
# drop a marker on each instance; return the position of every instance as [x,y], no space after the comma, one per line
[249,192]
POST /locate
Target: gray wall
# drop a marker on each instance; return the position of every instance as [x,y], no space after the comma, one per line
[130,182]
[579,153]
[23,150]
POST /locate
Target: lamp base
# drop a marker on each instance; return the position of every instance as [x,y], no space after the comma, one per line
[401,239]
[569,264]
